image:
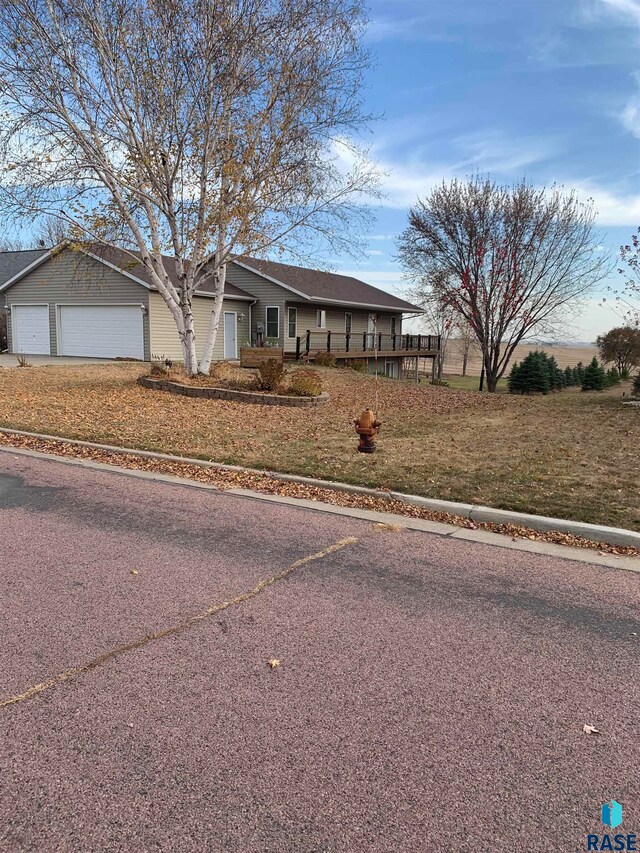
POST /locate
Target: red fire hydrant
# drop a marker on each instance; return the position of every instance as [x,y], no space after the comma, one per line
[367,427]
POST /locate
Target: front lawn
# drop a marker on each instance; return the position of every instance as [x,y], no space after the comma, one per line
[569,454]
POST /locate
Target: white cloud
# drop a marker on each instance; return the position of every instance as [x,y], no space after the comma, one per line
[614,209]
[494,151]
[406,29]
[629,117]
[629,9]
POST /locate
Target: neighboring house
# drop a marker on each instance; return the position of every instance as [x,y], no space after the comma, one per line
[102,304]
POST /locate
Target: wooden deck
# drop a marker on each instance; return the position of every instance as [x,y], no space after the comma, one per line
[367,345]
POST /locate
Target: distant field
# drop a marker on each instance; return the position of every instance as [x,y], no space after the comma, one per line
[565,356]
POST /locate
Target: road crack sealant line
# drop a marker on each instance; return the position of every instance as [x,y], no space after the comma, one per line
[185,625]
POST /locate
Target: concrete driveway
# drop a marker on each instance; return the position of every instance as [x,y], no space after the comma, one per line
[9,360]
[431,693]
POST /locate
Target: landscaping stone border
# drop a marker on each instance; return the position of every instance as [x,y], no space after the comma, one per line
[235,396]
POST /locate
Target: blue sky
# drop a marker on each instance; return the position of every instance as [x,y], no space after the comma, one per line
[545,89]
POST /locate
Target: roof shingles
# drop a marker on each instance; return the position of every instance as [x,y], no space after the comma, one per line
[318,285]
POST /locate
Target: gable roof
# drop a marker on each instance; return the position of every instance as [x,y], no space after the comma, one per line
[12,263]
[123,262]
[117,259]
[319,286]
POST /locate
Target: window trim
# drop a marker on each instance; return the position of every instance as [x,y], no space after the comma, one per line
[291,308]
[321,315]
[348,314]
[266,321]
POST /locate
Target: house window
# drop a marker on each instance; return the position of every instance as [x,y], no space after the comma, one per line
[321,319]
[393,325]
[292,321]
[272,318]
[347,324]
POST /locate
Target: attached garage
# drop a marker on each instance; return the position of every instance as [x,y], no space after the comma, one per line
[100,331]
[30,324]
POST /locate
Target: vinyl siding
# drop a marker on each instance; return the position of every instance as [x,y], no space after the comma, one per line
[72,278]
[336,321]
[266,292]
[165,342]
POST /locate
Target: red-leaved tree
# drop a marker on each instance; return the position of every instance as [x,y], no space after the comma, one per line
[509,261]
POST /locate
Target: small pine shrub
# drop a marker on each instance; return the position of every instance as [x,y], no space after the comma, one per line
[270,375]
[625,375]
[305,382]
[324,359]
[534,374]
[595,378]
[513,382]
[358,366]
[568,377]
[636,385]
[613,377]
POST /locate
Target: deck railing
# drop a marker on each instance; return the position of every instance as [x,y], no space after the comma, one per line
[366,342]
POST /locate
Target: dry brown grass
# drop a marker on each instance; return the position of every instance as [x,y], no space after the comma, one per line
[569,454]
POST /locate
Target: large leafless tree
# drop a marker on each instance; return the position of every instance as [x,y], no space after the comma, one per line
[509,261]
[200,129]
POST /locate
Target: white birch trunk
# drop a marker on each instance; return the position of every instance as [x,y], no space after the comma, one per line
[188,340]
[214,322]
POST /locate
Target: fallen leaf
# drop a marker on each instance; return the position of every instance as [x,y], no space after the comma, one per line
[392,528]
[134,572]
[274,663]
[590,730]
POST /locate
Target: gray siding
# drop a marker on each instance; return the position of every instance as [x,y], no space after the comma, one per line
[336,321]
[165,342]
[72,278]
[266,292]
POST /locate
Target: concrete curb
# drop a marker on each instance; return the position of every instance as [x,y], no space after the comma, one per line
[544,524]
[436,528]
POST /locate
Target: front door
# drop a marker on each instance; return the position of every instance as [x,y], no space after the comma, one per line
[230,335]
[371,329]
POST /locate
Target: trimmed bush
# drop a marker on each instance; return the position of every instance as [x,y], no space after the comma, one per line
[270,375]
[324,359]
[305,382]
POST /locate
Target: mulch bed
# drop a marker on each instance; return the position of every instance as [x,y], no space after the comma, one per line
[223,479]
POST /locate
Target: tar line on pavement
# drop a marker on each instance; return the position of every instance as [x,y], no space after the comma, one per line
[185,625]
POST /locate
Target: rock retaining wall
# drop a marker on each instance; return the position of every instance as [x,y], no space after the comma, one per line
[235,396]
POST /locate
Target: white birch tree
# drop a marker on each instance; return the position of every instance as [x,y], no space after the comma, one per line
[197,129]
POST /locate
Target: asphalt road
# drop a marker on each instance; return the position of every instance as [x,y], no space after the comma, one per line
[431,692]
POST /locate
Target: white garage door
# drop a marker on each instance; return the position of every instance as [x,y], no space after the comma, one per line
[30,328]
[100,331]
